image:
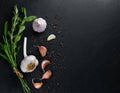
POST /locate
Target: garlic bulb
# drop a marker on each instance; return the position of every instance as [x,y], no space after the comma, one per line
[39,25]
[29,63]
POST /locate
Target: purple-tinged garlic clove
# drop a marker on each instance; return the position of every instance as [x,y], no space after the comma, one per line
[47,74]
[37,83]
[39,25]
[44,64]
[42,50]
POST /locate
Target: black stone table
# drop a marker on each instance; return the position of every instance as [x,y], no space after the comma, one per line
[85,56]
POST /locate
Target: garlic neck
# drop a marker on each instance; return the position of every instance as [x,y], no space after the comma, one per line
[25,47]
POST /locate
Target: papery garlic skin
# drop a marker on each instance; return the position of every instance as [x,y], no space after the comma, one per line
[29,64]
[39,25]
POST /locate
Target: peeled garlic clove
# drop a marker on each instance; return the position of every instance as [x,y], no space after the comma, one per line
[51,37]
[42,50]
[39,25]
[44,64]
[37,83]
[47,74]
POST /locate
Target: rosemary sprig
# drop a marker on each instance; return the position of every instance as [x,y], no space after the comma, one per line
[10,48]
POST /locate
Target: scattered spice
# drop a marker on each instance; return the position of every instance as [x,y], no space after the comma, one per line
[57,17]
[61,44]
[54,26]
[59,32]
[34,40]
[30,52]
[53,55]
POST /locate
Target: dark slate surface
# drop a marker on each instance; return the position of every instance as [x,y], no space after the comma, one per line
[89,62]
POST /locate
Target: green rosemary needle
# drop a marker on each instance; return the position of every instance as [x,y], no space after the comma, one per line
[9,49]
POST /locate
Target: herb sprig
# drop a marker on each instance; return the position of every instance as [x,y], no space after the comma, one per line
[10,48]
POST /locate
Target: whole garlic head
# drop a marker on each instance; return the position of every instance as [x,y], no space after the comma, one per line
[39,25]
[29,63]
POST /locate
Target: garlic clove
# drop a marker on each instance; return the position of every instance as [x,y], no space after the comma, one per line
[42,50]
[44,64]
[37,83]
[47,74]
[51,37]
[29,64]
[39,25]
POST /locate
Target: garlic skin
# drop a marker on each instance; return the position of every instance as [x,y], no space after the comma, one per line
[30,62]
[39,25]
